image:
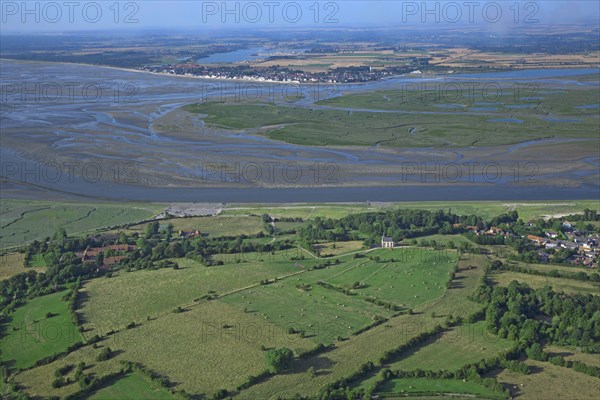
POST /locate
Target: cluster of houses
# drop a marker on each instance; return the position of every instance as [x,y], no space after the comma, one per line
[491,231]
[90,254]
[352,74]
[118,252]
[586,246]
[190,234]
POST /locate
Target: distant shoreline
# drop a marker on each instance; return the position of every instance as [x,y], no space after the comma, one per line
[206,78]
[217,79]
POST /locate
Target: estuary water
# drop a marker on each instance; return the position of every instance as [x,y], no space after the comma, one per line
[106,120]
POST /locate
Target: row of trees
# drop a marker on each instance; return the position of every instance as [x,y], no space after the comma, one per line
[398,224]
[498,265]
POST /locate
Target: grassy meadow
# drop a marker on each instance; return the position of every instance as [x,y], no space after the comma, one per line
[345,358]
[574,354]
[27,220]
[415,386]
[205,345]
[33,333]
[143,294]
[550,380]
[212,226]
[132,387]
[486,209]
[571,286]
[414,277]
[12,264]
[456,347]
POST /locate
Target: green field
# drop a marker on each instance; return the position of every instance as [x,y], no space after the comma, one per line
[207,328]
[212,226]
[546,268]
[143,294]
[408,386]
[28,220]
[338,248]
[370,345]
[13,263]
[538,281]
[459,346]
[418,275]
[31,335]
[415,277]
[574,354]
[550,381]
[208,347]
[440,239]
[324,314]
[131,387]
[486,209]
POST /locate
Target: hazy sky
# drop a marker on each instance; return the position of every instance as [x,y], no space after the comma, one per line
[70,15]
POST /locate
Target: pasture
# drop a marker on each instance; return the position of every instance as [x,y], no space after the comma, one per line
[486,209]
[212,226]
[299,301]
[33,333]
[339,248]
[205,348]
[324,314]
[439,239]
[458,346]
[571,286]
[574,354]
[545,268]
[149,293]
[38,380]
[304,211]
[420,386]
[27,220]
[13,263]
[549,380]
[415,276]
[345,358]
[131,387]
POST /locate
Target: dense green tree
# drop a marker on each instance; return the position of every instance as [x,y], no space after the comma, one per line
[278,360]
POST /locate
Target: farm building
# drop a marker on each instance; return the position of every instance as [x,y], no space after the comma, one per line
[387,242]
[185,234]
